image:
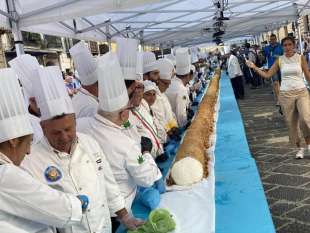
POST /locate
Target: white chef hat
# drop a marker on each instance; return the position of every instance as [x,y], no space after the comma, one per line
[14,120]
[171,57]
[113,94]
[85,63]
[149,62]
[193,68]
[51,94]
[139,68]
[194,55]
[165,68]
[127,55]
[25,67]
[149,85]
[227,49]
[182,61]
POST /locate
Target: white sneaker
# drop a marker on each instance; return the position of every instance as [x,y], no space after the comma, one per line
[300,154]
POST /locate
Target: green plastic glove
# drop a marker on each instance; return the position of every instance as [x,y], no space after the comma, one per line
[160,221]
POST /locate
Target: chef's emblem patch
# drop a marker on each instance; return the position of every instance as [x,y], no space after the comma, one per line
[126,124]
[52,174]
[140,159]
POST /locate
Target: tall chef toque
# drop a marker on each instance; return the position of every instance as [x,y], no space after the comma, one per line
[14,121]
[182,61]
[165,67]
[113,94]
[85,63]
[149,62]
[25,67]
[51,94]
[127,55]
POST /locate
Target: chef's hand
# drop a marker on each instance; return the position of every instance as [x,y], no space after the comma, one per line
[146,145]
[190,114]
[187,125]
[84,201]
[160,185]
[161,158]
[130,222]
[174,134]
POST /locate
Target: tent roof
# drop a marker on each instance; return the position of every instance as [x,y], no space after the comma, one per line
[173,22]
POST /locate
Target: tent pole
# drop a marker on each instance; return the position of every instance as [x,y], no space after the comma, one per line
[141,39]
[107,30]
[298,28]
[299,38]
[17,34]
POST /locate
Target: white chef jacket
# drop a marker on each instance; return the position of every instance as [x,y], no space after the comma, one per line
[233,67]
[143,120]
[84,104]
[84,171]
[161,131]
[129,166]
[28,206]
[163,112]
[37,130]
[178,97]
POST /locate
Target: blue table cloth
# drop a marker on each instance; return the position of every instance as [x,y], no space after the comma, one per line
[241,205]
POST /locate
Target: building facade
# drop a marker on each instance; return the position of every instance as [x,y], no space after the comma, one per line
[49,50]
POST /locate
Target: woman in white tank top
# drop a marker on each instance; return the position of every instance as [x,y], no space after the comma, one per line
[294,96]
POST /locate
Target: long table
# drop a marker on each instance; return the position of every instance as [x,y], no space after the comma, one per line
[241,205]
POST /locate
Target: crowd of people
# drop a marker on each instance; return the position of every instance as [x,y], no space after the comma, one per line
[75,149]
[289,74]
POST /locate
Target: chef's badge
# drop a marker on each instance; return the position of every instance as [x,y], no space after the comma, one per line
[99,161]
[140,159]
[52,174]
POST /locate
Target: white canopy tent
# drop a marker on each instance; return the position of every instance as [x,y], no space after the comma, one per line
[157,22]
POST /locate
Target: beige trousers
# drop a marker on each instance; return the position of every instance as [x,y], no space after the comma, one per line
[296,109]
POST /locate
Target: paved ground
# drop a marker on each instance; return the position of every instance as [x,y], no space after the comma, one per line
[286,180]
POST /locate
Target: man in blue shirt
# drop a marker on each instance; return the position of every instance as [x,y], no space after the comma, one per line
[272,52]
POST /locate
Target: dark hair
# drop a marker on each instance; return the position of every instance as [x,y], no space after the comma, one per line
[59,116]
[290,38]
[233,52]
[247,45]
[182,76]
[50,63]
[128,83]
[273,35]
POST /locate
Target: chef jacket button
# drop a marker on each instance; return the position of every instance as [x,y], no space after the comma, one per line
[102,205]
[88,210]
[80,189]
[87,161]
